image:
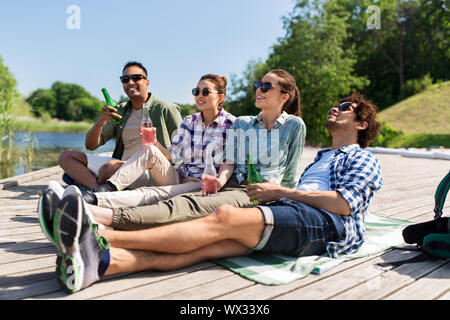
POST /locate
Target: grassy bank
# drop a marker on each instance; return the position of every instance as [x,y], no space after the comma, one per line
[419,140]
[37,125]
[419,121]
[426,112]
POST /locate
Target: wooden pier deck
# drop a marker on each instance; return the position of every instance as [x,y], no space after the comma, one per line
[27,259]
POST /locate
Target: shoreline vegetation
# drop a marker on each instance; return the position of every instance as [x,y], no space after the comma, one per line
[389,137]
[28,123]
[406,124]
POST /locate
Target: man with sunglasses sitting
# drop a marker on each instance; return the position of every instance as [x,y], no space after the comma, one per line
[90,170]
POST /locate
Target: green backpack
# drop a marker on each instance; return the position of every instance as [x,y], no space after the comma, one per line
[437,245]
[432,237]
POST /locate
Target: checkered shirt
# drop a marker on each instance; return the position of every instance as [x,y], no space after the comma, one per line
[193,144]
[356,174]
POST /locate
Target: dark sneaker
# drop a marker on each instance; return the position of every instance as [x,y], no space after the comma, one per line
[106,187]
[83,256]
[415,233]
[48,204]
[46,211]
[67,179]
[89,197]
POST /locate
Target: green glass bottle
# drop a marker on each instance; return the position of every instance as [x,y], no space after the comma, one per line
[112,103]
[253,176]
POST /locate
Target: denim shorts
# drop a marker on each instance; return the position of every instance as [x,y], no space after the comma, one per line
[295,229]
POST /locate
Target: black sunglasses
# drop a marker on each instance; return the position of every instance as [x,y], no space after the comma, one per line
[134,77]
[265,86]
[342,107]
[205,91]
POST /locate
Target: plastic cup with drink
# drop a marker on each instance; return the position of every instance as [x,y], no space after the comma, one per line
[209,180]
[147,131]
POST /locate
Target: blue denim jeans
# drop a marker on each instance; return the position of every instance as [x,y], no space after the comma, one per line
[295,229]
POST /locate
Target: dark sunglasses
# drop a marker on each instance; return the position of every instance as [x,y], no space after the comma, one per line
[134,77]
[205,91]
[342,107]
[265,86]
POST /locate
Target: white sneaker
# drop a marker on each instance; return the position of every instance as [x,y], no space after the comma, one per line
[73,189]
[56,187]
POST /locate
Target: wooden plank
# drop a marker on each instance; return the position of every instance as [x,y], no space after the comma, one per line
[29,283]
[445,296]
[171,285]
[22,266]
[21,279]
[9,210]
[379,286]
[400,204]
[30,290]
[430,286]
[18,247]
[28,254]
[27,229]
[18,222]
[27,177]
[17,202]
[329,287]
[210,290]
[22,238]
[23,218]
[113,284]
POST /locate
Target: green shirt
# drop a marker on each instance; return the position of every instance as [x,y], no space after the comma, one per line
[165,116]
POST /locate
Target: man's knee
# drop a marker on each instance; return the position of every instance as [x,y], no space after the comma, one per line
[69,156]
[244,225]
[108,169]
[223,214]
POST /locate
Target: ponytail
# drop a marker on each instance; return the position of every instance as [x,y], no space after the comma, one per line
[293,106]
[289,86]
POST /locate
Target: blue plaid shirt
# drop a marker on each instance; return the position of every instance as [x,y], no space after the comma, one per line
[356,174]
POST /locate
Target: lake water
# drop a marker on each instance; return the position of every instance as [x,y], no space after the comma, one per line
[30,153]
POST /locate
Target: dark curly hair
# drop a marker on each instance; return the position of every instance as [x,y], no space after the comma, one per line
[366,111]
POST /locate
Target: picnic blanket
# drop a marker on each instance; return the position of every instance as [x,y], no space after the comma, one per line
[276,269]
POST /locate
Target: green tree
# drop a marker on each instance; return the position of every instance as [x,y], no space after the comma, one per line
[65,101]
[241,100]
[88,108]
[42,101]
[8,97]
[65,93]
[187,109]
[413,41]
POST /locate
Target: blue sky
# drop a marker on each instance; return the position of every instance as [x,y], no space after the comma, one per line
[178,41]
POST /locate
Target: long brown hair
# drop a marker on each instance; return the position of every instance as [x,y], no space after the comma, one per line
[289,86]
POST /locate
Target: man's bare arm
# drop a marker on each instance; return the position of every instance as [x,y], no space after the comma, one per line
[331,201]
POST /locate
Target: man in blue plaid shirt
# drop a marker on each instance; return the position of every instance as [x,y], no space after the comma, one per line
[323,215]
